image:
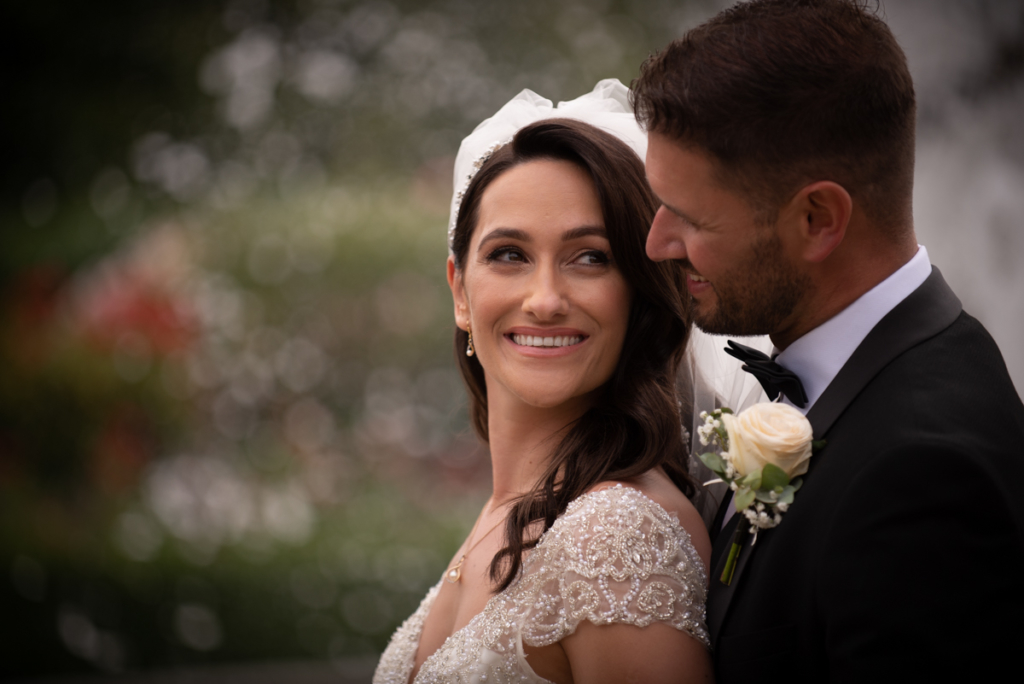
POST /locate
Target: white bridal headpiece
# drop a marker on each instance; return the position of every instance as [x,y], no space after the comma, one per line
[709,376]
[606,107]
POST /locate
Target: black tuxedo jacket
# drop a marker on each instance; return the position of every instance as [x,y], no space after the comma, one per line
[902,557]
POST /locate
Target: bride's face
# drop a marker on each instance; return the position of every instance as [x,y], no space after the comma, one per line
[540,290]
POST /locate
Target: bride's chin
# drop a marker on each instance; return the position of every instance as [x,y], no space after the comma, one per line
[545,402]
[554,399]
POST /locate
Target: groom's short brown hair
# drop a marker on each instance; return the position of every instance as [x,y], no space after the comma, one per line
[781,93]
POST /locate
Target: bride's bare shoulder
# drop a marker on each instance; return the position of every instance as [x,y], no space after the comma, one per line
[656,486]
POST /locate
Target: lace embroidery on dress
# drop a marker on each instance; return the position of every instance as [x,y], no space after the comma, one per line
[613,556]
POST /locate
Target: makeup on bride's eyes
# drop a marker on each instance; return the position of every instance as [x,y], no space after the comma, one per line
[506,254]
[509,254]
[600,257]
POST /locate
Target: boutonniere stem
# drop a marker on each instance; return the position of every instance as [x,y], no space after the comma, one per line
[738,537]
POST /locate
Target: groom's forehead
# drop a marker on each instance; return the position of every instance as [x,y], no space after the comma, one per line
[675,165]
[666,155]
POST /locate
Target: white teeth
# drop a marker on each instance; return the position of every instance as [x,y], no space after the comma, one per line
[535,341]
[697,278]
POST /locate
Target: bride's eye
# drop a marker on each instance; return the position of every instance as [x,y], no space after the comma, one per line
[507,255]
[593,257]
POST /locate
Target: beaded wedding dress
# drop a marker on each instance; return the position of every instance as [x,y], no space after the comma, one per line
[614,556]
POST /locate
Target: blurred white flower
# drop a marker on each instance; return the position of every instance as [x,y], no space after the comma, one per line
[325,76]
[244,74]
[180,169]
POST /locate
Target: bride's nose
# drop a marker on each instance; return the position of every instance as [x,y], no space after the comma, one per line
[546,297]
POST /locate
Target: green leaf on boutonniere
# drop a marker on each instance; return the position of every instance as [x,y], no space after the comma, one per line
[797,483]
[713,461]
[818,444]
[751,479]
[772,477]
[726,409]
[744,497]
[786,496]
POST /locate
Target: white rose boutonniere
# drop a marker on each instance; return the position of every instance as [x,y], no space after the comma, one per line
[762,452]
[769,433]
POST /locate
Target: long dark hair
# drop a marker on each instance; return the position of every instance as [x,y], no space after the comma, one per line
[635,424]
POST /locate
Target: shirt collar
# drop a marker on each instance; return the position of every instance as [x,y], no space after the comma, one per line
[818,356]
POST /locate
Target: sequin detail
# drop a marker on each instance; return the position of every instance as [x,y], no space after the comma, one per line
[613,556]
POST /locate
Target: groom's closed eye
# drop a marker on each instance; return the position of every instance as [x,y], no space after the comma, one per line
[679,214]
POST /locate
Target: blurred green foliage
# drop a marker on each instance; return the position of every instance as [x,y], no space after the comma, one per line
[237,436]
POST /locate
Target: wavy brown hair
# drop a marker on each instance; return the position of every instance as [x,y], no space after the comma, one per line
[635,423]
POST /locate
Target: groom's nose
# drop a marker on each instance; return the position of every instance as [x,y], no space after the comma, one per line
[665,241]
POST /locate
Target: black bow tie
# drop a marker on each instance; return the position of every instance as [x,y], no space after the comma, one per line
[773,377]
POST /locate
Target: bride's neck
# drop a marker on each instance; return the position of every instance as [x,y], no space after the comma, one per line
[522,440]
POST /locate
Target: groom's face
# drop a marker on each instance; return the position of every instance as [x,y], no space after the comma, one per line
[740,277]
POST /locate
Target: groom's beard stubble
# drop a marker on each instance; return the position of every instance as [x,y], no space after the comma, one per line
[756,296]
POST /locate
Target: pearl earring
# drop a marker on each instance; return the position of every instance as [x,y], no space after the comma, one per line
[469,347]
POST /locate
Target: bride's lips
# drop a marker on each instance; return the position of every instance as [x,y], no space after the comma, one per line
[545,342]
[696,284]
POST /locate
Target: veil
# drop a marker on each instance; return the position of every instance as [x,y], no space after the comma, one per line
[711,379]
[708,377]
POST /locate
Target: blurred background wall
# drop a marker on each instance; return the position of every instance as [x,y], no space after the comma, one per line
[230,428]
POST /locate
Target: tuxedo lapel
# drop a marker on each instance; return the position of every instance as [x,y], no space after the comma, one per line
[926,312]
[719,521]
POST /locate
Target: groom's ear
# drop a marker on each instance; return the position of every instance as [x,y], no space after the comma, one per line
[821,213]
[458,295]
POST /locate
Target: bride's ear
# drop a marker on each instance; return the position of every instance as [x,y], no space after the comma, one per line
[458,295]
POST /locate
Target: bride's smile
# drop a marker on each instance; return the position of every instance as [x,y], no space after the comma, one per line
[546,341]
[541,293]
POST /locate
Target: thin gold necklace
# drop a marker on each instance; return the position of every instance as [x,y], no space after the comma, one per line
[454,575]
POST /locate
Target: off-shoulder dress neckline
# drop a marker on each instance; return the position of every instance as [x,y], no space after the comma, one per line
[575,504]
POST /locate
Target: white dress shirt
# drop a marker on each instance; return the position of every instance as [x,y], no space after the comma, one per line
[818,356]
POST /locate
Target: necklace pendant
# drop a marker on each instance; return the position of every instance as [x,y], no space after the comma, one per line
[454,575]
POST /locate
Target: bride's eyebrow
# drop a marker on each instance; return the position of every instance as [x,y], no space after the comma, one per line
[504,234]
[584,231]
[523,236]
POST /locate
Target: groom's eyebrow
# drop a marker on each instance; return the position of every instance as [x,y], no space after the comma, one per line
[682,215]
[678,212]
